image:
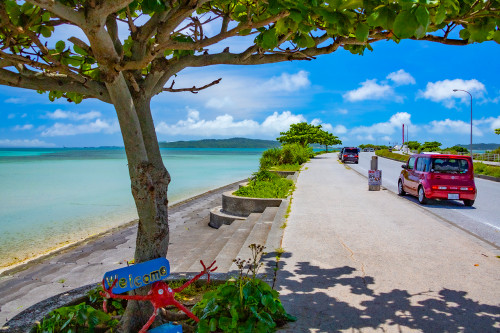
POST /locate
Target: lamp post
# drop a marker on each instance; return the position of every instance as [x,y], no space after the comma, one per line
[455,90]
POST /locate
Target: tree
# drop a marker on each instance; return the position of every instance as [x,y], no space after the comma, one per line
[328,139]
[413,145]
[497,131]
[166,37]
[301,133]
[457,148]
[430,146]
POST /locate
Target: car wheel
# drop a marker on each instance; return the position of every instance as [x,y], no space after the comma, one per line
[468,203]
[421,196]
[401,191]
[356,162]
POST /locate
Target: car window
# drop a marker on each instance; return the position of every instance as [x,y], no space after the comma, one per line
[351,151]
[450,165]
[420,164]
[411,163]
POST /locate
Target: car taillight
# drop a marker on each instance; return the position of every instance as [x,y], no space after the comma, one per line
[467,188]
[345,155]
[435,187]
[356,156]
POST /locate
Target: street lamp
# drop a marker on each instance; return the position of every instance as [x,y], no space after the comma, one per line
[455,90]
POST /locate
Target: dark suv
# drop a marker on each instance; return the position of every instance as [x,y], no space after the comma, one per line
[349,154]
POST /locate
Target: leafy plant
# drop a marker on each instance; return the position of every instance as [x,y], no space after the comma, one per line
[485,169]
[265,184]
[394,156]
[73,318]
[244,304]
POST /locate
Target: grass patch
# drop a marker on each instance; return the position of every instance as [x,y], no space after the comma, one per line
[286,167]
[487,170]
[265,184]
[394,156]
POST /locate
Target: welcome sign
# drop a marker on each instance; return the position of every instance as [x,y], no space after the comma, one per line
[138,275]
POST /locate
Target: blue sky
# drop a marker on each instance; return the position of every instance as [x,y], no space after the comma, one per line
[361,99]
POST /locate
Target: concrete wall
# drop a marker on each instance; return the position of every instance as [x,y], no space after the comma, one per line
[242,206]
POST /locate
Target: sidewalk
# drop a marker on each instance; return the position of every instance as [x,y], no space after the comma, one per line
[366,261]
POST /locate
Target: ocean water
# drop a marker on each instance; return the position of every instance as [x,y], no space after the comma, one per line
[52,197]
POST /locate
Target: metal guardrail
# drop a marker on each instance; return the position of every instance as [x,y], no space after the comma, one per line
[481,157]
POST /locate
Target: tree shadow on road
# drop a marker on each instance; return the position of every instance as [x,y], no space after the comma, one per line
[445,310]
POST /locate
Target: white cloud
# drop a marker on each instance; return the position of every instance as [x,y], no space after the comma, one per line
[342,111]
[387,128]
[371,90]
[339,129]
[226,125]
[288,82]
[15,100]
[98,126]
[11,116]
[452,126]
[24,143]
[60,114]
[23,128]
[401,78]
[216,103]
[442,91]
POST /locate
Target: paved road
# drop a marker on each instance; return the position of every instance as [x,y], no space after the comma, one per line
[363,261]
[482,219]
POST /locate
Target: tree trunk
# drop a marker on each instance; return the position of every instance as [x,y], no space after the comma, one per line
[149,183]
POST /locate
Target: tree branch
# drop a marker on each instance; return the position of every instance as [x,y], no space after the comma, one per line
[106,8]
[194,89]
[47,82]
[63,11]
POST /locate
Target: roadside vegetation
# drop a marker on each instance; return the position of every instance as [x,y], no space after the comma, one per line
[386,153]
[487,170]
[283,158]
[266,184]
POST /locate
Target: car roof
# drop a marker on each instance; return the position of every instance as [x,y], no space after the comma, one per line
[434,155]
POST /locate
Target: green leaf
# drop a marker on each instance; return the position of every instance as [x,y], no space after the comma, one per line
[351,4]
[60,45]
[464,34]
[362,31]
[46,17]
[422,15]
[45,31]
[496,36]
[212,325]
[269,39]
[440,15]
[405,25]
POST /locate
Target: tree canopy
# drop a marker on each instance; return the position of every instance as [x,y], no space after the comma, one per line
[301,133]
[497,131]
[124,52]
[413,145]
[328,139]
[430,146]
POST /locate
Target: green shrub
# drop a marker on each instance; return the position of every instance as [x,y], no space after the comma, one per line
[244,304]
[485,169]
[265,184]
[286,167]
[287,154]
[394,156]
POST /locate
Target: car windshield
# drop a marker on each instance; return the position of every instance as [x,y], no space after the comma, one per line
[350,151]
[450,165]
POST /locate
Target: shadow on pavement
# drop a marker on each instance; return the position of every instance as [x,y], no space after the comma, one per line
[432,311]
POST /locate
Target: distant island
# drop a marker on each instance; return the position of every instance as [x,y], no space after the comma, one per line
[482,146]
[222,143]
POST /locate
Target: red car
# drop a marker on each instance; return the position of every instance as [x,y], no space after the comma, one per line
[437,176]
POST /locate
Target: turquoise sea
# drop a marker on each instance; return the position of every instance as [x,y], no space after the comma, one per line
[52,197]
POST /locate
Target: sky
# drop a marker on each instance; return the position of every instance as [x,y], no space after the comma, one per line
[361,99]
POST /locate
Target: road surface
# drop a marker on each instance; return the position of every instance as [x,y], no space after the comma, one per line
[482,220]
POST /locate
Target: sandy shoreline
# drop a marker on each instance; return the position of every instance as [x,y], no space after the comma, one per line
[71,245]
[85,262]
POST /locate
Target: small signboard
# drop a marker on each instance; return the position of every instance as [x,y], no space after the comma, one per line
[138,275]
[374,177]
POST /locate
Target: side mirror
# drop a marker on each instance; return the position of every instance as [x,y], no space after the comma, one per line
[404,166]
